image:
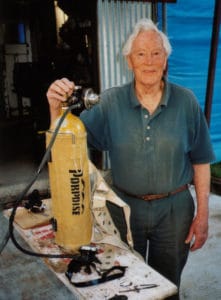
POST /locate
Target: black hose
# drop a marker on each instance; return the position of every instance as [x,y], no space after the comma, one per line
[10,233]
[5,241]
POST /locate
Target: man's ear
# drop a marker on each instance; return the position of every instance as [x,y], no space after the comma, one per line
[165,64]
[165,69]
[129,63]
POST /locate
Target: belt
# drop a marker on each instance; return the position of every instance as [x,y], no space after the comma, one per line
[149,197]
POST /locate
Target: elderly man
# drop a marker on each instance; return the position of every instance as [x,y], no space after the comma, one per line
[158,142]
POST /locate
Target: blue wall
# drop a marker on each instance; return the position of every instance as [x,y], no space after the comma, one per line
[189,27]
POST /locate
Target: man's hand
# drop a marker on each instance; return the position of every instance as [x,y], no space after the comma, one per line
[198,233]
[58,92]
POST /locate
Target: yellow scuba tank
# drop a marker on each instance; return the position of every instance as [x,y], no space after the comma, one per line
[70,183]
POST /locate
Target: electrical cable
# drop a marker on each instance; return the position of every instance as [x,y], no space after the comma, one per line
[10,233]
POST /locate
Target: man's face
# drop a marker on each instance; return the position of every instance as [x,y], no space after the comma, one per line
[147,58]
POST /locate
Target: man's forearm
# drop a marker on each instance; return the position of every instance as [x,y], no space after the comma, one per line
[202,187]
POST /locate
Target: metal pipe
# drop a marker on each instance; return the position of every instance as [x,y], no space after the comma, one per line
[212,61]
[164,17]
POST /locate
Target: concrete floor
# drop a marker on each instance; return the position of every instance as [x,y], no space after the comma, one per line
[201,278]
[24,277]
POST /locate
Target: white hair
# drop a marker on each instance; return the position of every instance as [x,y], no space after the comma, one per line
[145,25]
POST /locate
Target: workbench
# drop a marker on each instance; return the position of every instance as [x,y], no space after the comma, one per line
[139,282]
[138,273]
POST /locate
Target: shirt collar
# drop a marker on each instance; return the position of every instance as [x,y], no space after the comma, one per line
[164,100]
[133,98]
[166,93]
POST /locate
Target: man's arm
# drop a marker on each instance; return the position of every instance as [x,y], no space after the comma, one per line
[198,232]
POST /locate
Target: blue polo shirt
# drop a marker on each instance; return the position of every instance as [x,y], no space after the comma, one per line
[150,154]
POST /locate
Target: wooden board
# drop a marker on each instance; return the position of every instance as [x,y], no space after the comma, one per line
[26,219]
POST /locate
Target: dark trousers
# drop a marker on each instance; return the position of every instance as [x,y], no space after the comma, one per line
[159,229]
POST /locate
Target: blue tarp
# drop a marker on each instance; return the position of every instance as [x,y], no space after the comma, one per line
[189,27]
